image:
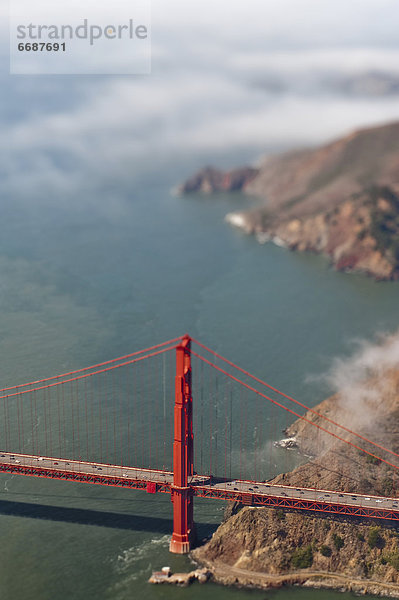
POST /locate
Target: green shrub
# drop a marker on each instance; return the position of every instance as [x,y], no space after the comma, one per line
[374,538]
[387,486]
[360,537]
[281,534]
[325,550]
[373,460]
[365,485]
[338,541]
[393,560]
[302,558]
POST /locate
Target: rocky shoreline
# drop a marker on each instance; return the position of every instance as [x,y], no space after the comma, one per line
[268,549]
[312,579]
[165,576]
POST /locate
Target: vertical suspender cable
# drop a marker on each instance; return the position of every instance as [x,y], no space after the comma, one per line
[45,421]
[50,418]
[128,405]
[22,404]
[114,458]
[164,407]
[255,434]
[135,421]
[59,419]
[246,432]
[231,429]
[93,451]
[211,401]
[216,422]
[155,417]
[241,426]
[141,385]
[106,408]
[32,448]
[261,445]
[77,417]
[100,396]
[19,422]
[121,421]
[150,416]
[36,422]
[87,458]
[201,387]
[225,429]
[63,419]
[7,442]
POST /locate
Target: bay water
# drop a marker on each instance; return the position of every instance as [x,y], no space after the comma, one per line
[88,282]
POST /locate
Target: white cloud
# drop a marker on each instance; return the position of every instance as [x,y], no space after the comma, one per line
[127,124]
[200,97]
[308,22]
[366,384]
[327,60]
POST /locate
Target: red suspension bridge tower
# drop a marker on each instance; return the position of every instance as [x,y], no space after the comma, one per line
[183,452]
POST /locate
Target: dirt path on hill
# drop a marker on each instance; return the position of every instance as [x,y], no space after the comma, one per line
[226,574]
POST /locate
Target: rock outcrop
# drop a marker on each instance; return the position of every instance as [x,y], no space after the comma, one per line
[179,579]
[210,180]
[359,234]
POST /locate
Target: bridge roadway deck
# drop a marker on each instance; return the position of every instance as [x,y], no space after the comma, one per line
[247,492]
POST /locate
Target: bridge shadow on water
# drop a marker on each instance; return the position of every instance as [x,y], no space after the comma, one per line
[84,516]
[97,518]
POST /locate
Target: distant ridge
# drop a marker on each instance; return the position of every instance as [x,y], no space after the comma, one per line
[340,199]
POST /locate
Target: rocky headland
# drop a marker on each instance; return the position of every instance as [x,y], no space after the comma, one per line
[340,200]
[268,548]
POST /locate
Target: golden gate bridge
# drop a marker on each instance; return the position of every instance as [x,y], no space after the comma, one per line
[175,418]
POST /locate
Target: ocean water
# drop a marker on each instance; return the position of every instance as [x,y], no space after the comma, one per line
[85,283]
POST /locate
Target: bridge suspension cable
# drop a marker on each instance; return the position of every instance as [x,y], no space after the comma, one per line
[102,364]
[78,377]
[291,411]
[297,402]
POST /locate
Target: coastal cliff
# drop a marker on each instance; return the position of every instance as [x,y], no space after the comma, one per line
[269,548]
[266,548]
[340,200]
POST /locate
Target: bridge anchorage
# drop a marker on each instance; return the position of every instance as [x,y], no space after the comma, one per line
[112,424]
